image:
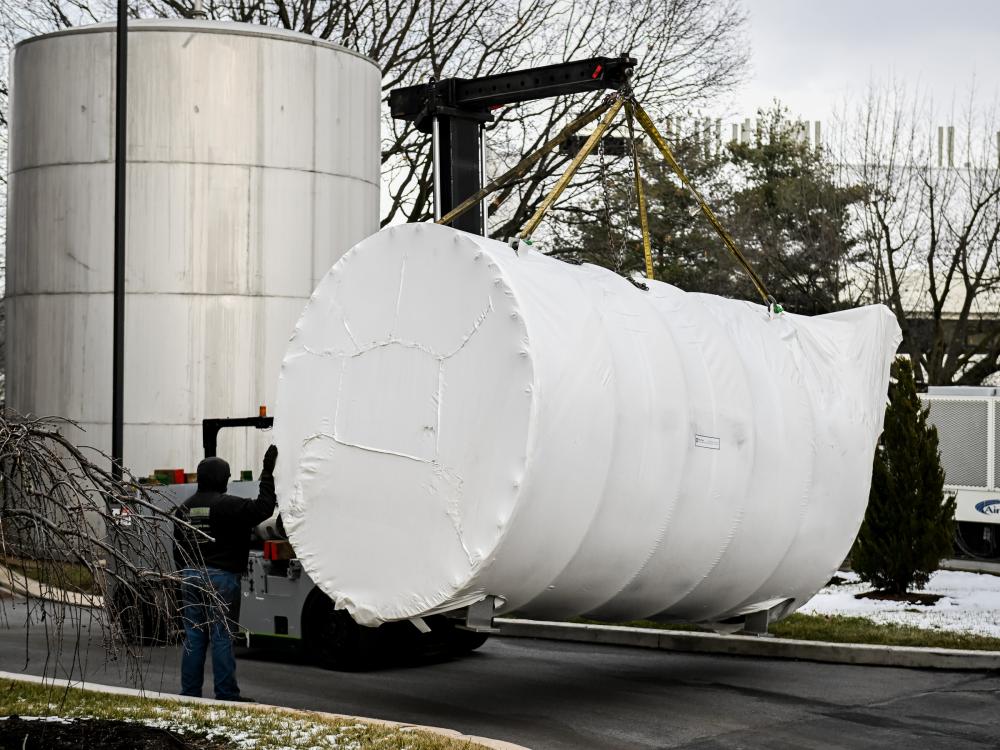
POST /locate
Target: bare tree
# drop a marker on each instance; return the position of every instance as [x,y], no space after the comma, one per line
[689,51]
[77,544]
[932,231]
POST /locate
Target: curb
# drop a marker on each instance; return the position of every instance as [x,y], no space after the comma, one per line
[971,566]
[755,646]
[663,640]
[450,734]
[21,585]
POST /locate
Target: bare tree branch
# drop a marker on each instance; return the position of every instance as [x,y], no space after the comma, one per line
[76,543]
[932,233]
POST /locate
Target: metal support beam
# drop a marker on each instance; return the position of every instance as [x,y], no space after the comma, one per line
[459,156]
[479,616]
[118,325]
[210,430]
[483,204]
[465,96]
[613,145]
[756,623]
[436,167]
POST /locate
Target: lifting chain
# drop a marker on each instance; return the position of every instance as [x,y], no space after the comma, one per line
[640,193]
[615,248]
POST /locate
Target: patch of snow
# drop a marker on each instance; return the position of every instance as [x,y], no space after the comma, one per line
[249,731]
[970,603]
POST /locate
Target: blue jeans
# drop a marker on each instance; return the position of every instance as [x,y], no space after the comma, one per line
[209,618]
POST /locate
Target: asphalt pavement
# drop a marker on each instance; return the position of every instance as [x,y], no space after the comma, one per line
[545,694]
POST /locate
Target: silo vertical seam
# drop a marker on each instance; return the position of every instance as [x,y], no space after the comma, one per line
[112,73]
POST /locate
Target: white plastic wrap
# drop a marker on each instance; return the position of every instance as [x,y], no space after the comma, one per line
[456,420]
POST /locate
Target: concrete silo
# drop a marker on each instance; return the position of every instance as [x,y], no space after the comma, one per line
[253,165]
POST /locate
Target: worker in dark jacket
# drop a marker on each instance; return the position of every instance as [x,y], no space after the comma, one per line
[212,561]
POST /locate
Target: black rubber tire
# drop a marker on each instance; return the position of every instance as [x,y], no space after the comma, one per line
[970,541]
[462,641]
[333,640]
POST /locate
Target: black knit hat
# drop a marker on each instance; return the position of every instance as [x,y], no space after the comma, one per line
[213,475]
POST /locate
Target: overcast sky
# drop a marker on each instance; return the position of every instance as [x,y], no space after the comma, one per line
[810,54]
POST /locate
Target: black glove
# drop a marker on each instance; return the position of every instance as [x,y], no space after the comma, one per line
[270,458]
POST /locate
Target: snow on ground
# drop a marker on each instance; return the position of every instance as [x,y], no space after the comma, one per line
[970,603]
[250,731]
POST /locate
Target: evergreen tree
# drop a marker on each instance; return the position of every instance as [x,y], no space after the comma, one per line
[909,524]
[686,251]
[792,216]
[777,195]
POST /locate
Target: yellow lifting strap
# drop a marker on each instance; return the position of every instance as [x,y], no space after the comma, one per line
[563,181]
[609,109]
[647,249]
[522,167]
[661,144]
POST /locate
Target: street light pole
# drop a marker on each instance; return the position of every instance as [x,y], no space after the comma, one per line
[118,347]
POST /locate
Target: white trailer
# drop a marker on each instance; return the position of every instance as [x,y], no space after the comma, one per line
[968,422]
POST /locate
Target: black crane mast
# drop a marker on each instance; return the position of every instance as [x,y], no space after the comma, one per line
[454,110]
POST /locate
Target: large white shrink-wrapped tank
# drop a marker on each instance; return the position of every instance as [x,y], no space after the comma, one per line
[457,420]
[253,164]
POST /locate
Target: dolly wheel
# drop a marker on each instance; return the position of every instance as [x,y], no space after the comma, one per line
[462,641]
[334,641]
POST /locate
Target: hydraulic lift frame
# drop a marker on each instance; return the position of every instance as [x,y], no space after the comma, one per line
[210,429]
[455,110]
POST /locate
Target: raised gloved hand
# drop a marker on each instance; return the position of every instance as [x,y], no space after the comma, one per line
[270,459]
